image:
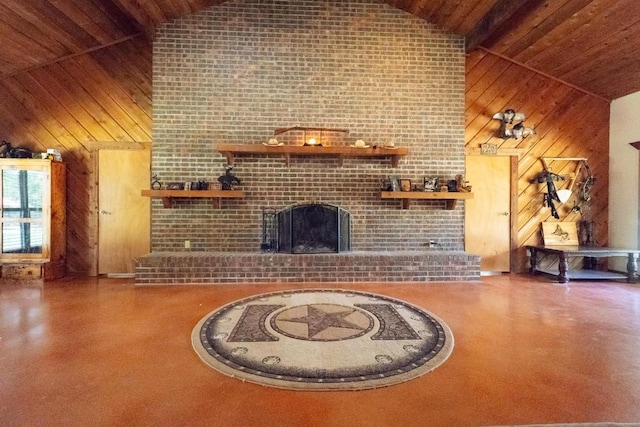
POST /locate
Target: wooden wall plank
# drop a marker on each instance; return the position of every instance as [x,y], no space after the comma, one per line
[108,13]
[134,120]
[570,29]
[66,105]
[51,23]
[540,22]
[132,74]
[87,18]
[568,122]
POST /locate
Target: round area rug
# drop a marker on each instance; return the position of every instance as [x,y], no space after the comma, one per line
[318,339]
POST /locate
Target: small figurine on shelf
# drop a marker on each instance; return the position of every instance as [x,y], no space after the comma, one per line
[463,185]
[201,185]
[155,183]
[227,181]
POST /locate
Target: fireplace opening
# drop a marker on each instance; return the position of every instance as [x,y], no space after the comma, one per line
[309,228]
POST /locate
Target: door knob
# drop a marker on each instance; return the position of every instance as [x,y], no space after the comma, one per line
[103,212]
[505,213]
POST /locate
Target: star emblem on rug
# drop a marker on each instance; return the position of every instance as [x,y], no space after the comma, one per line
[322,339]
[322,322]
[319,319]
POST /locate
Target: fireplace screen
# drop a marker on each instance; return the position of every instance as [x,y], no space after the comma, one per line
[313,228]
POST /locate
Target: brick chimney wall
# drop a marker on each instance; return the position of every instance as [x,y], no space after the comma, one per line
[236,72]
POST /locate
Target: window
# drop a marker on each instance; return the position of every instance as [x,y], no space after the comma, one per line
[22,230]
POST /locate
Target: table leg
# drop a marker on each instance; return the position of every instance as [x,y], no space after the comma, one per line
[563,267]
[632,268]
[533,260]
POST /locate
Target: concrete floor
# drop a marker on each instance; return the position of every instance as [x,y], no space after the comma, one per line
[101,352]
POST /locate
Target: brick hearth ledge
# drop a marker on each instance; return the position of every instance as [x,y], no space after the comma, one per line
[252,267]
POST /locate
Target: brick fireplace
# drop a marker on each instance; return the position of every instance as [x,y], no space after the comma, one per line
[236,72]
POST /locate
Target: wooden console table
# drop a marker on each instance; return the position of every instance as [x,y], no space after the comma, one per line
[565,252]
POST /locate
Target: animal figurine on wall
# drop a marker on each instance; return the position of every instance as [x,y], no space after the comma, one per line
[509,116]
[512,125]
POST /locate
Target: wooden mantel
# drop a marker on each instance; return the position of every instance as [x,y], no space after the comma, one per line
[231,150]
[406,196]
[168,196]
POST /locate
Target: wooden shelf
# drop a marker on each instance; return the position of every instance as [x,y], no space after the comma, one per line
[232,150]
[406,196]
[167,196]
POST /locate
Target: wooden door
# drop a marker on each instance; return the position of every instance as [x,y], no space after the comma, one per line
[123,214]
[487,215]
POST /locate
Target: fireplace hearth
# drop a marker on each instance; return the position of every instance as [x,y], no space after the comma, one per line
[310,228]
[416,267]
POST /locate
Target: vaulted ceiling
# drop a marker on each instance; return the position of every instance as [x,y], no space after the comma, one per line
[591,44]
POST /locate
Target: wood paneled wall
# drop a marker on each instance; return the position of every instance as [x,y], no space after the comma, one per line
[568,123]
[106,96]
[75,106]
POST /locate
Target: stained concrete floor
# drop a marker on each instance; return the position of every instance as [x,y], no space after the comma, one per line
[101,352]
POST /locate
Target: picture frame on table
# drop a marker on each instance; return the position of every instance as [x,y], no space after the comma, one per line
[405,184]
[175,185]
[430,183]
[394,183]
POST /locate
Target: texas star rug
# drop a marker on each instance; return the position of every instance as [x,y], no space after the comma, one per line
[320,339]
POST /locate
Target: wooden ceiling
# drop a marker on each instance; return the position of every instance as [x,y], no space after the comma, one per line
[591,44]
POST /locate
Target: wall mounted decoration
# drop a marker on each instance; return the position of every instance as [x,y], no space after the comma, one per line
[560,186]
[311,141]
[512,125]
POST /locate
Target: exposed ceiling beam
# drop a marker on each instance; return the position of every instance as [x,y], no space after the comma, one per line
[497,17]
[549,76]
[137,14]
[73,55]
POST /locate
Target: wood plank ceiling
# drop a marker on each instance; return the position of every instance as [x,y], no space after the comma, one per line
[591,44]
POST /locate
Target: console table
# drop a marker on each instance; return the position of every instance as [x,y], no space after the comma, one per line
[565,252]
